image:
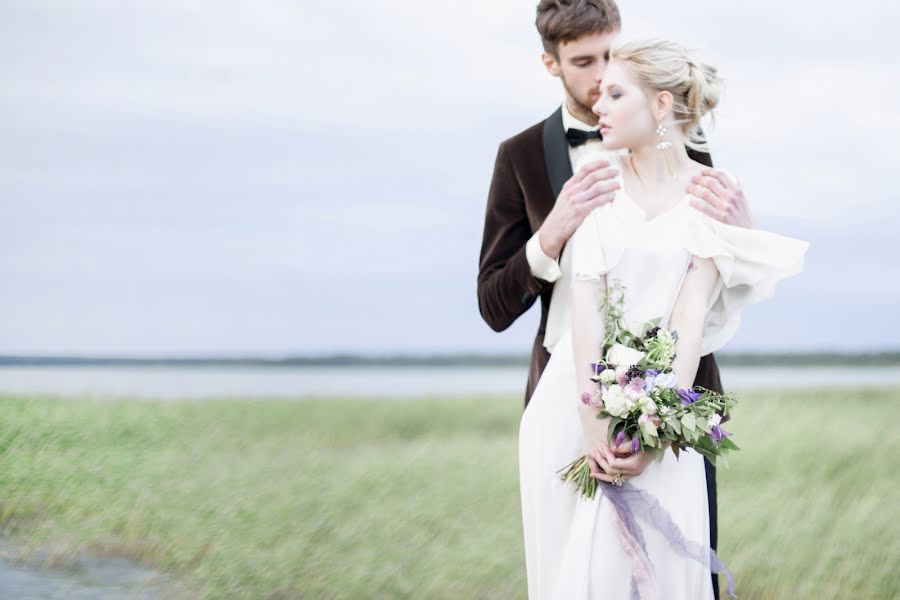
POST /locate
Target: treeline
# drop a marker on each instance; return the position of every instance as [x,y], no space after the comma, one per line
[756,359]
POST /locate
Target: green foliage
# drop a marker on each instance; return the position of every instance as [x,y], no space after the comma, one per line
[612,307]
[357,498]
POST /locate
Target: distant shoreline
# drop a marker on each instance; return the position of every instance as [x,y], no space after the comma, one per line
[468,360]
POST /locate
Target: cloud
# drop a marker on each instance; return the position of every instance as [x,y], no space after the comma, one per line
[223,176]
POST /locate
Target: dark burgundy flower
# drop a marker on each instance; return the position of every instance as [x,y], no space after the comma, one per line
[634,371]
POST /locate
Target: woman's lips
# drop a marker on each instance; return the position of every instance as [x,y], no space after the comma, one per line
[604,128]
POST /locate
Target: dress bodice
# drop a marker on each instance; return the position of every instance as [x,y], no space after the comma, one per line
[650,258]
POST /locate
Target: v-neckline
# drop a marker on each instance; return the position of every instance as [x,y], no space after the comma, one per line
[631,201]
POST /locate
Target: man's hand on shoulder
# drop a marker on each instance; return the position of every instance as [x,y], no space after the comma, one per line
[592,186]
[720,196]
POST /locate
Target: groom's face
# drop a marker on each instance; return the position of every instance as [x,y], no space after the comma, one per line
[581,64]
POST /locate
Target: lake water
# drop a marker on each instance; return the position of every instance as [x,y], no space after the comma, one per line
[84,577]
[175,383]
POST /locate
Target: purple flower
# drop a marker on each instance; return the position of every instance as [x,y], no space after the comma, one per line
[585,398]
[635,444]
[650,380]
[636,384]
[717,434]
[688,397]
[597,368]
[620,437]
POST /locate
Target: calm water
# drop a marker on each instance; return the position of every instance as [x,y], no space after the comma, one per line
[87,577]
[199,382]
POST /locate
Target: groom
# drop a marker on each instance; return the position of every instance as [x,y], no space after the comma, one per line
[546,180]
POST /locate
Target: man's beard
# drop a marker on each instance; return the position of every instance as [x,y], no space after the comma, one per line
[585,109]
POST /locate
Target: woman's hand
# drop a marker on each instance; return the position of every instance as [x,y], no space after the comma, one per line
[629,466]
[594,434]
[597,459]
[621,460]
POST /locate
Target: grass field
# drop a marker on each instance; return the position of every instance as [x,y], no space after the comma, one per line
[349,498]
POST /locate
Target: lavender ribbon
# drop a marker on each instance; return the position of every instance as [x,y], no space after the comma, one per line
[630,502]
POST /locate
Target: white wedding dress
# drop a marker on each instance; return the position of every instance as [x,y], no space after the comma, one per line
[572,547]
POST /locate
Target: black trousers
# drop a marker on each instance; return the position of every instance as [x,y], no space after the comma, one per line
[713,512]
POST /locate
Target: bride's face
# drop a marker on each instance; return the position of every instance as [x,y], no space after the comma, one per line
[625,111]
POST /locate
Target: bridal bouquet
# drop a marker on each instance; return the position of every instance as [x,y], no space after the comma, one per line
[639,394]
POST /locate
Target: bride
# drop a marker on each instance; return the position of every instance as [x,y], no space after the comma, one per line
[674,262]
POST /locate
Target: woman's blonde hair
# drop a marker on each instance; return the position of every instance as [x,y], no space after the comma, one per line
[663,65]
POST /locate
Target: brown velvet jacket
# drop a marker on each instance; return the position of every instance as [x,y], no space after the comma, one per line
[529,173]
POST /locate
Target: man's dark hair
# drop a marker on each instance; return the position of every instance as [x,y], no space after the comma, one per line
[560,21]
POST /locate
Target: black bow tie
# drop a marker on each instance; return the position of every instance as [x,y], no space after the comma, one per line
[577,137]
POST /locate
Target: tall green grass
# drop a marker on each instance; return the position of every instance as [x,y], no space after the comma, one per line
[351,498]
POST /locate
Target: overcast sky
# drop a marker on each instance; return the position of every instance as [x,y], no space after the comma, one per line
[301,177]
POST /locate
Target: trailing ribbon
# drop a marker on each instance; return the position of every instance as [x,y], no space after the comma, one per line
[630,502]
[642,584]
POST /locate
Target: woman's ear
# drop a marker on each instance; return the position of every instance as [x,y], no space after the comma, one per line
[664,102]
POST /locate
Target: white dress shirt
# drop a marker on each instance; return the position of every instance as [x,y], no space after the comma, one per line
[560,272]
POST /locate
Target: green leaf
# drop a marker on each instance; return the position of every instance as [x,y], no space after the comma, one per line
[674,423]
[710,455]
[727,444]
[614,422]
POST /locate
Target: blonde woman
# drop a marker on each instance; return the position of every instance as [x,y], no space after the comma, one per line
[674,262]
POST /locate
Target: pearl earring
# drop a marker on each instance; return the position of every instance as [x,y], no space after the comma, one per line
[663,144]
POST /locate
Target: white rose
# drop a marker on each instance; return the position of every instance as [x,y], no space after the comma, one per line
[614,401]
[647,426]
[665,380]
[648,406]
[635,394]
[623,356]
[608,376]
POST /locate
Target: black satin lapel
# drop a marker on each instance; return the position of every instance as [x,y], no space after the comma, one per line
[556,152]
[700,157]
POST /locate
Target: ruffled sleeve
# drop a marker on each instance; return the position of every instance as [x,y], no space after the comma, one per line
[596,247]
[750,263]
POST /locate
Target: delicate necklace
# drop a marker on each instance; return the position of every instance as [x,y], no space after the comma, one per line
[631,162]
[669,168]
